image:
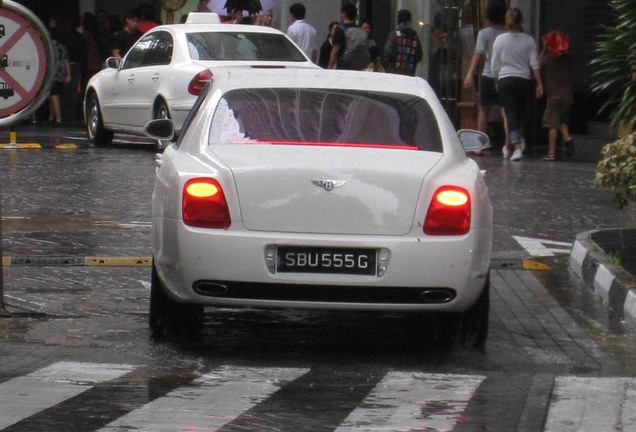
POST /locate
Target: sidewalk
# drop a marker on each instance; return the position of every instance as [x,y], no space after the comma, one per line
[606,261]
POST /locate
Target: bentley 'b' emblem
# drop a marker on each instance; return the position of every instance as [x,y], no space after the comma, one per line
[329,185]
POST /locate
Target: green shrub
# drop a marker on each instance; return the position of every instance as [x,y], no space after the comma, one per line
[614,62]
[617,170]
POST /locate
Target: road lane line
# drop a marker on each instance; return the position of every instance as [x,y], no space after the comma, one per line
[209,402]
[539,247]
[582,404]
[25,396]
[406,401]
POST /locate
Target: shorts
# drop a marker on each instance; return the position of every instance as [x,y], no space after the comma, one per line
[487,92]
[57,88]
[557,111]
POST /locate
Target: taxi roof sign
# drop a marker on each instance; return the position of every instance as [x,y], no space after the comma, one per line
[203,18]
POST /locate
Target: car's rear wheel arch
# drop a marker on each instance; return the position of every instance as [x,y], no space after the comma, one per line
[95,129]
[161,109]
[168,316]
[468,329]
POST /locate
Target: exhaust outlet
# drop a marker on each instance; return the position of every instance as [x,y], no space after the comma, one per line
[436,296]
[211,289]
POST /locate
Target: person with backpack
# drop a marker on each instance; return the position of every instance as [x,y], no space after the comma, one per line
[350,42]
[403,49]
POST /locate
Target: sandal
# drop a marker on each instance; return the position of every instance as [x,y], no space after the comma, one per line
[550,157]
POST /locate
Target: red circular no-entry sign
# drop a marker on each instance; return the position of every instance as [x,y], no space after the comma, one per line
[26,62]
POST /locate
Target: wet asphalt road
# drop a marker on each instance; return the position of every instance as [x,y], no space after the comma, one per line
[89,201]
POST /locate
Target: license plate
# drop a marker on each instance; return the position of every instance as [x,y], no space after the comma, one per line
[293,259]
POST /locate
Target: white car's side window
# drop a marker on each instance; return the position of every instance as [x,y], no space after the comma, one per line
[161,51]
[135,56]
[194,53]
[229,46]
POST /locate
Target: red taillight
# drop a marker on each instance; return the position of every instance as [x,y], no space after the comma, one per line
[449,212]
[199,82]
[204,204]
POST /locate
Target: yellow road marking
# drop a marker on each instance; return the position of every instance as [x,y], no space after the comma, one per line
[66,146]
[117,261]
[6,260]
[534,265]
[21,146]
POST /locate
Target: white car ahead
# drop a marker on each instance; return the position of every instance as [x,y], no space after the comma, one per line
[320,189]
[164,72]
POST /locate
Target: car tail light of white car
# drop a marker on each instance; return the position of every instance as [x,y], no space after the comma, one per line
[449,212]
[204,204]
[199,82]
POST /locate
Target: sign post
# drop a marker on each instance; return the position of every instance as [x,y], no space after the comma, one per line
[27,68]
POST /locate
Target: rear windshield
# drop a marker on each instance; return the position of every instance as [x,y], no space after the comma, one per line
[325,117]
[242,46]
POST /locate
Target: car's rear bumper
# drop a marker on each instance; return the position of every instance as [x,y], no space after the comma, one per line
[226,268]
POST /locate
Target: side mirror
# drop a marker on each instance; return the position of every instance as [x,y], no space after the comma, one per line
[473,140]
[160,129]
[113,62]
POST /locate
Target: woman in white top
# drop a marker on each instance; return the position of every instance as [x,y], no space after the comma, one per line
[514,62]
[488,98]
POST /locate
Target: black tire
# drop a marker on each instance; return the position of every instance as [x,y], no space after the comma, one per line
[94,123]
[470,328]
[162,112]
[168,317]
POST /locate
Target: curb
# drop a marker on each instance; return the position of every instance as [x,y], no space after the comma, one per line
[615,285]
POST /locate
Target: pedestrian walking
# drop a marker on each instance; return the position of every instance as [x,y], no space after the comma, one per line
[125,38]
[234,16]
[375,64]
[325,48]
[514,62]
[557,63]
[73,40]
[303,33]
[350,42]
[147,15]
[61,76]
[403,49]
[488,98]
[103,32]
[265,19]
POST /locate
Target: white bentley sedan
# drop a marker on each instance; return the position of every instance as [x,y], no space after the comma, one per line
[164,72]
[320,189]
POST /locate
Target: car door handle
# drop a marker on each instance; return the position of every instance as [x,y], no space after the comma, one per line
[155,77]
[131,78]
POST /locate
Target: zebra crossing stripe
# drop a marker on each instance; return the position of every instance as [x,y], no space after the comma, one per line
[592,405]
[57,396]
[208,402]
[408,401]
[24,396]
